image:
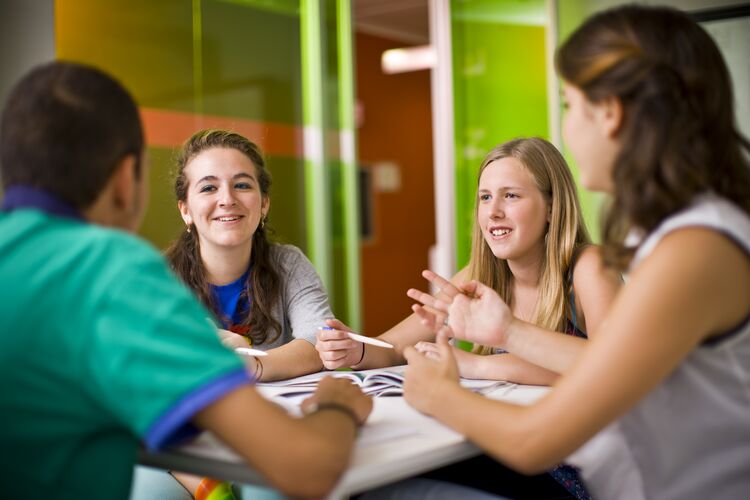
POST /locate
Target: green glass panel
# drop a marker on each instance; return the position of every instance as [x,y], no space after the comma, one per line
[499,90]
[569,16]
[239,62]
[236,60]
[162,223]
[251,63]
[331,87]
[147,45]
[251,70]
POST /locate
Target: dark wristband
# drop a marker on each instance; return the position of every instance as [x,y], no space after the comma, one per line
[336,407]
[361,357]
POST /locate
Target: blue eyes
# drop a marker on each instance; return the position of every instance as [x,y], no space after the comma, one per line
[207,188]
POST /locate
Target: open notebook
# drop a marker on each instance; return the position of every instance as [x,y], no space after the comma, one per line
[379,382]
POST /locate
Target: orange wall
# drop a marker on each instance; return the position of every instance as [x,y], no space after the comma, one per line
[396,127]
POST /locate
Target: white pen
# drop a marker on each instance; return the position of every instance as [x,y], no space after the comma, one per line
[247,351]
[363,339]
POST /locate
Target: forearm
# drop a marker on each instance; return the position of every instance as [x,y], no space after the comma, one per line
[378,357]
[296,358]
[308,460]
[323,451]
[406,333]
[508,432]
[508,367]
[551,350]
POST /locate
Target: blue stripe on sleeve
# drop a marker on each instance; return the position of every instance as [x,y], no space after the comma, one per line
[175,426]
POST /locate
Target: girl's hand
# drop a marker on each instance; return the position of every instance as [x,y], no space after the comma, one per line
[477,314]
[341,392]
[232,340]
[434,318]
[426,377]
[335,348]
[464,360]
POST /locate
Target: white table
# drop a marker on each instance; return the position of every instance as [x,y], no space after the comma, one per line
[397,442]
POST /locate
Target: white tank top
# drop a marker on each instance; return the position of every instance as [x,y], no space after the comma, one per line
[690,437]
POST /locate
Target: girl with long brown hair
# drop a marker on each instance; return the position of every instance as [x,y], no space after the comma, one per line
[650,120]
[263,294]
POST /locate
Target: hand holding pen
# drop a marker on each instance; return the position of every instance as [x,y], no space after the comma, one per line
[339,347]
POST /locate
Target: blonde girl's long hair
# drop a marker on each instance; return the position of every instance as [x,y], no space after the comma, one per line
[566,233]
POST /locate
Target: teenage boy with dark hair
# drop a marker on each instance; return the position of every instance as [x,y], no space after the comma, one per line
[101,348]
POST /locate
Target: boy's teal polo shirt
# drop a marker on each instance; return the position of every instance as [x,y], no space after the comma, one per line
[101,349]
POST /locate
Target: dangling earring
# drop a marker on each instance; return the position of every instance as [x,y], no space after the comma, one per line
[263,221]
[189,229]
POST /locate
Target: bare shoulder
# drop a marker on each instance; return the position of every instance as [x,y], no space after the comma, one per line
[589,267]
[704,251]
[706,266]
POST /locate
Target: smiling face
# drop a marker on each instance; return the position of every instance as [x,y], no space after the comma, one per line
[224,201]
[511,211]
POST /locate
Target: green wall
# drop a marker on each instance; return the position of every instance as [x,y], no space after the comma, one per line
[500,91]
[235,60]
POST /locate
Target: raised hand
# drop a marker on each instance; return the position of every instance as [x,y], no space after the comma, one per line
[426,378]
[433,312]
[335,348]
[480,315]
[464,360]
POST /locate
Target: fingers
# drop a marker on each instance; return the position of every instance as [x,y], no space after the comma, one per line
[425,347]
[337,325]
[427,299]
[472,288]
[425,317]
[334,359]
[333,340]
[334,353]
[422,351]
[337,345]
[428,350]
[444,335]
[308,403]
[442,345]
[411,354]
[330,333]
[344,392]
[445,289]
[435,356]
